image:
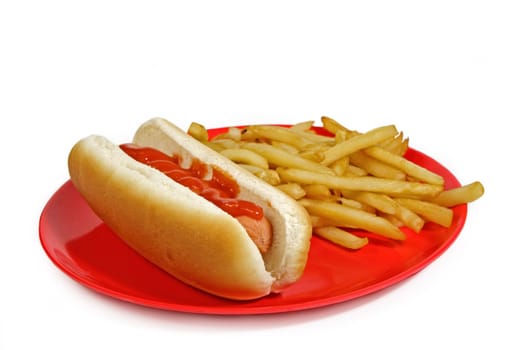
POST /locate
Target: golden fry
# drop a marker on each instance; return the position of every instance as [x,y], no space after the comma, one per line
[318,221]
[389,206]
[428,211]
[333,126]
[233,133]
[224,143]
[303,126]
[461,195]
[413,170]
[358,142]
[268,175]
[313,137]
[352,170]
[362,183]
[317,191]
[245,156]
[217,147]
[277,133]
[375,167]
[393,219]
[313,155]
[379,201]
[281,158]
[198,131]
[355,204]
[293,190]
[346,216]
[340,166]
[341,237]
[409,218]
[397,145]
[285,147]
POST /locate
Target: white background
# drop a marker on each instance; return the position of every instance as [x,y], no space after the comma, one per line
[450,74]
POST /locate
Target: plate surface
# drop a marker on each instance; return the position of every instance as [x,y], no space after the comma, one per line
[79,244]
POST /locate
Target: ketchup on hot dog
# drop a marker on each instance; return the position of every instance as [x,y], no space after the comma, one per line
[220,189]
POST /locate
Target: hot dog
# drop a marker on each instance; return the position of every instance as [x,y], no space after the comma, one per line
[220,229]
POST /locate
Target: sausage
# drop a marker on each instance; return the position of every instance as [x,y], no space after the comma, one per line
[260,231]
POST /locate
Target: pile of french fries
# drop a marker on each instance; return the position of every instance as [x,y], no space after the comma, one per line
[349,182]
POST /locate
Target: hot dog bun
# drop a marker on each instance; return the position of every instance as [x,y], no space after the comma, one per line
[181,232]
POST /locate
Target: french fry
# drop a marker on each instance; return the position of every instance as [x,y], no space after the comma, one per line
[316,147]
[341,237]
[355,204]
[293,190]
[334,126]
[313,155]
[318,221]
[408,167]
[358,142]
[389,206]
[393,219]
[217,147]
[346,216]
[342,135]
[280,134]
[362,183]
[313,137]
[303,126]
[251,168]
[317,191]
[352,170]
[340,166]
[409,218]
[245,156]
[233,133]
[375,167]
[198,131]
[428,211]
[281,158]
[285,147]
[248,135]
[460,195]
[397,145]
[268,175]
[224,143]
[379,201]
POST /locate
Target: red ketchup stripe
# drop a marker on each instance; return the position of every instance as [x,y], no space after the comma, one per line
[221,190]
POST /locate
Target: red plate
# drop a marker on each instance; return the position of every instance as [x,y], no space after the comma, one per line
[83,247]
